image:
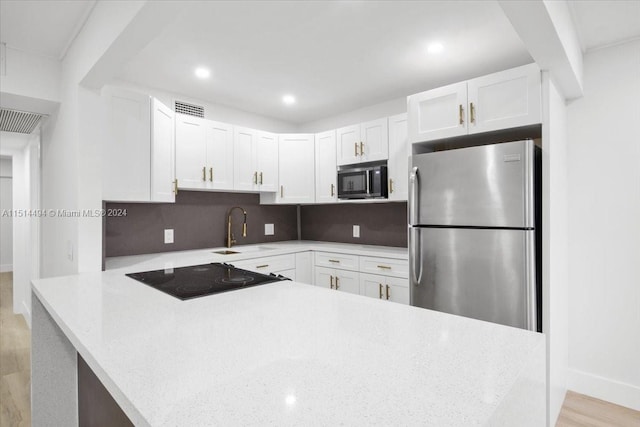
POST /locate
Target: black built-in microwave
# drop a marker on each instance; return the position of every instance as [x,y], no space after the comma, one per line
[363,183]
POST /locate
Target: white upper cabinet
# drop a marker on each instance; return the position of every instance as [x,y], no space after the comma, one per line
[326,170]
[503,100]
[398,166]
[438,113]
[296,169]
[138,157]
[255,160]
[163,151]
[365,142]
[204,154]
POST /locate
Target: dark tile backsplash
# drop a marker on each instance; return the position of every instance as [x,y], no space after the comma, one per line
[199,220]
[380,223]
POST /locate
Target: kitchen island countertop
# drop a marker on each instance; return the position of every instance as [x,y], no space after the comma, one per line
[286,353]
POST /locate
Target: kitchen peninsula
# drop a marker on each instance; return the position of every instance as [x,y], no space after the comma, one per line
[284,353]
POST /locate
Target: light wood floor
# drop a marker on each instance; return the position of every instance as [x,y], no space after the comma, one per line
[15,379]
[15,360]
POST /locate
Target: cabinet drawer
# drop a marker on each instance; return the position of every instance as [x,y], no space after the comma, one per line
[269,264]
[385,266]
[333,260]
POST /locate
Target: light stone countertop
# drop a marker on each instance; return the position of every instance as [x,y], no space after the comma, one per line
[288,353]
[136,263]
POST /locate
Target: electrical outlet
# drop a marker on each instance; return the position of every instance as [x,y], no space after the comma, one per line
[269,230]
[168,235]
[356,231]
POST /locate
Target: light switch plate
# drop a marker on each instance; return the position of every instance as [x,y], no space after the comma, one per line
[168,235]
[356,231]
[269,230]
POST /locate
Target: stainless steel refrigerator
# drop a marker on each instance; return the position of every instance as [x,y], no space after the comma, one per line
[474,233]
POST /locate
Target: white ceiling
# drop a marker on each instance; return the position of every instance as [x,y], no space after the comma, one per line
[43,27]
[333,56]
[602,23]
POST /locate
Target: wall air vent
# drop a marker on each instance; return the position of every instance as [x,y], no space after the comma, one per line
[18,121]
[189,109]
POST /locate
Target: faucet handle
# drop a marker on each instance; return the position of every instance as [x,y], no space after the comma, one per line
[244,229]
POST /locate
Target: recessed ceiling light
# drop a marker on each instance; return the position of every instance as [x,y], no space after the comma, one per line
[435,47]
[202,73]
[289,99]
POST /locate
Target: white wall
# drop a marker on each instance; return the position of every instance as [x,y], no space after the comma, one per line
[604,246]
[555,274]
[372,112]
[31,75]
[6,221]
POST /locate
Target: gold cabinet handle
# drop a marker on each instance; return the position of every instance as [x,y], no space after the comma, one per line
[334,261]
[472,113]
[361,148]
[390,185]
[262,266]
[255,178]
[385,267]
[211,174]
[204,173]
[281,191]
[337,285]
[461,114]
[331,281]
[388,292]
[380,289]
[175,186]
[355,145]
[333,193]
[260,178]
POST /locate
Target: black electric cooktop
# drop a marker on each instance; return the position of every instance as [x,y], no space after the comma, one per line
[200,280]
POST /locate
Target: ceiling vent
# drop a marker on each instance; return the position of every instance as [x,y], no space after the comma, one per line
[189,109]
[18,121]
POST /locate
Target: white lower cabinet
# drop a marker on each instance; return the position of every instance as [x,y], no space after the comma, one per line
[394,289]
[340,280]
[304,267]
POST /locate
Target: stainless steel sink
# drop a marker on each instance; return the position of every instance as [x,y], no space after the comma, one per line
[225,252]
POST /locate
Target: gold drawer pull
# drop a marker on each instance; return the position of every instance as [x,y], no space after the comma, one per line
[175,186]
[262,266]
[333,191]
[255,178]
[355,144]
[260,178]
[281,191]
[337,285]
[472,112]
[380,288]
[390,186]
[388,292]
[335,261]
[361,148]
[211,174]
[461,112]
[385,267]
[331,281]
[204,173]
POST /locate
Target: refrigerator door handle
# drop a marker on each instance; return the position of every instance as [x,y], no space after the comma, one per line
[368,179]
[530,281]
[414,192]
[415,257]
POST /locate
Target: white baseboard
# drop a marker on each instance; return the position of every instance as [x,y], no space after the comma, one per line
[26,312]
[613,391]
[5,268]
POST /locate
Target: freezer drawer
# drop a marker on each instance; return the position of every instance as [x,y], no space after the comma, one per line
[479,273]
[487,186]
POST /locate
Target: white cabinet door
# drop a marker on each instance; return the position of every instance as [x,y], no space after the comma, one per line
[191,152]
[438,113]
[126,151]
[372,285]
[504,100]
[347,281]
[296,168]
[399,152]
[266,159]
[219,148]
[326,171]
[397,290]
[162,153]
[375,140]
[304,267]
[348,145]
[245,171]
[324,277]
